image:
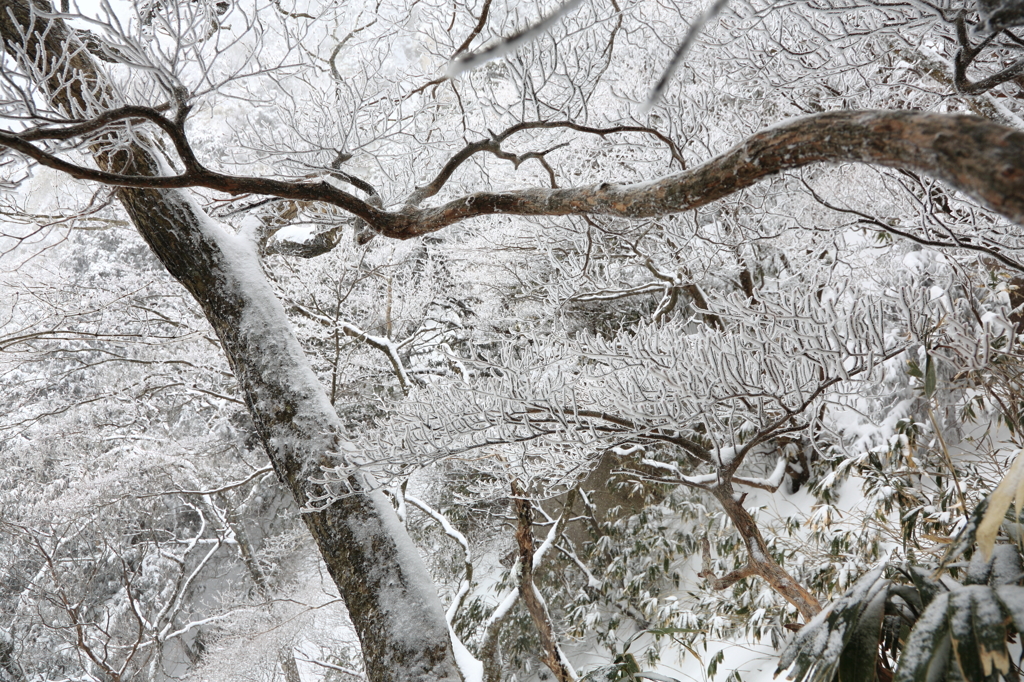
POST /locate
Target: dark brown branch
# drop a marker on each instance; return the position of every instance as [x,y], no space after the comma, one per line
[759,559]
[966,55]
[476,30]
[292,15]
[727,580]
[230,184]
[984,160]
[985,84]
[690,446]
[67,132]
[358,183]
[494,145]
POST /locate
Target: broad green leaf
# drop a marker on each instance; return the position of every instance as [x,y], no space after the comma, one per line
[927,587]
[857,663]
[927,647]
[814,654]
[1006,567]
[960,616]
[989,621]
[929,376]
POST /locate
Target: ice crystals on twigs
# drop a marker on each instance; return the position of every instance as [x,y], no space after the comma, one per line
[684,47]
[471,60]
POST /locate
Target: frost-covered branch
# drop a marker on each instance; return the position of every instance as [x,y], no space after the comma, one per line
[977,157]
[451,531]
[382,343]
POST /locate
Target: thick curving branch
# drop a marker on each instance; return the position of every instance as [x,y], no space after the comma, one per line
[984,160]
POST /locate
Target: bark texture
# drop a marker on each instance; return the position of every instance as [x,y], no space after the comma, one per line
[390,598]
[982,159]
[551,655]
[759,559]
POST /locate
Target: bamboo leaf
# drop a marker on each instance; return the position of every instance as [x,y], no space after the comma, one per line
[1008,491]
[927,647]
[960,616]
[929,377]
[857,663]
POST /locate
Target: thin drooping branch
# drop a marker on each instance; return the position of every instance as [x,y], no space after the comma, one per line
[967,244]
[382,343]
[467,557]
[647,431]
[982,159]
[86,127]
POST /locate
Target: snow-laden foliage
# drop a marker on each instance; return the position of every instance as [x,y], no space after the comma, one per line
[835,350]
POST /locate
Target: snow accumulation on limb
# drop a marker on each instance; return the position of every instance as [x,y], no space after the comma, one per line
[381,343]
[771,484]
[452,532]
[367,551]
[552,655]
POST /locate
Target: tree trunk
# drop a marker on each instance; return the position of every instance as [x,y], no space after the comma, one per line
[759,559]
[378,571]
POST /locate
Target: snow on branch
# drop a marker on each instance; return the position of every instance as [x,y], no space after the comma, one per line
[543,413]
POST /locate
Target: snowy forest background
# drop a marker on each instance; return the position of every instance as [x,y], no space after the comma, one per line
[835,350]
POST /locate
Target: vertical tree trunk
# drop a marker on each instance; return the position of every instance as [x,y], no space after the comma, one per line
[389,595]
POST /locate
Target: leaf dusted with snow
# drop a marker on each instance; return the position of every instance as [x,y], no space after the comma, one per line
[967,536]
[820,648]
[927,650]
[961,635]
[1012,599]
[856,664]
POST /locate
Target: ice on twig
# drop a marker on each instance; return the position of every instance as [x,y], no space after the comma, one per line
[470,61]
